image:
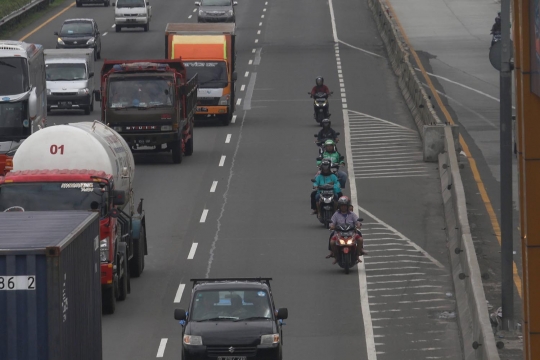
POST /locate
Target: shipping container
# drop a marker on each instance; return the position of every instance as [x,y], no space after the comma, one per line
[50,290]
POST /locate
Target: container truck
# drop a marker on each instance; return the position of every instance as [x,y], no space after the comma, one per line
[151,103]
[209,51]
[84,166]
[23,101]
[70,79]
[50,298]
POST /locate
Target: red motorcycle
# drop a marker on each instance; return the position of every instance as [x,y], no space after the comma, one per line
[346,238]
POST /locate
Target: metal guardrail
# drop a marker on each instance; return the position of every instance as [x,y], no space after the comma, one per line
[12,9]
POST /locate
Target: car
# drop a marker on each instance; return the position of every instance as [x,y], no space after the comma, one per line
[216,11]
[132,14]
[232,319]
[79,34]
[80,3]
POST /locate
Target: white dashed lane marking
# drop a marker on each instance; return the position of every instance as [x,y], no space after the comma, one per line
[204,215]
[179,293]
[213,187]
[161,349]
[191,254]
[222,160]
[228,138]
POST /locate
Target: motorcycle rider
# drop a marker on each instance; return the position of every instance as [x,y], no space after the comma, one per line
[325,177]
[344,215]
[496,28]
[331,153]
[326,132]
[320,87]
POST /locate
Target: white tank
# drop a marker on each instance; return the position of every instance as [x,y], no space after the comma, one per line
[79,146]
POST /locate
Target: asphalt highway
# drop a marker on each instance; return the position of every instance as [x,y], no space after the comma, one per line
[240,205]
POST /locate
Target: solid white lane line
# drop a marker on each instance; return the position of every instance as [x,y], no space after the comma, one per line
[334,32]
[222,161]
[238,101]
[228,139]
[204,215]
[213,187]
[243,88]
[246,74]
[192,251]
[179,293]
[161,349]
[233,119]
[362,278]
[250,62]
[189,17]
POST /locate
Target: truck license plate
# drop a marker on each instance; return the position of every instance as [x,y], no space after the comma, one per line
[65,103]
[131,20]
[231,358]
[202,109]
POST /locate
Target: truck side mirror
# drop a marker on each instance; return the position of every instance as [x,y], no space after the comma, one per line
[180,314]
[234,76]
[32,105]
[119,197]
[97,95]
[234,3]
[56,33]
[198,3]
[282,314]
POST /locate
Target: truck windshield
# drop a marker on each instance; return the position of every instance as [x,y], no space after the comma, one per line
[14,123]
[216,3]
[230,305]
[130,3]
[52,196]
[212,74]
[141,91]
[13,76]
[65,72]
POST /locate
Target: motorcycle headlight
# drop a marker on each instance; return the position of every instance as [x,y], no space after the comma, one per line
[269,339]
[342,242]
[166,127]
[104,250]
[192,340]
[83,91]
[327,200]
[61,42]
[90,41]
[224,100]
[49,92]
[349,242]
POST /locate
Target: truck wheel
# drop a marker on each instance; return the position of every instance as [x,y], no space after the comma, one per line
[92,105]
[147,26]
[78,4]
[108,300]
[226,119]
[176,151]
[106,3]
[48,109]
[136,264]
[87,110]
[118,28]
[123,286]
[189,145]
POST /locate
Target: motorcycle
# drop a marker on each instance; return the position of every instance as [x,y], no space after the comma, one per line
[320,105]
[320,143]
[327,204]
[346,238]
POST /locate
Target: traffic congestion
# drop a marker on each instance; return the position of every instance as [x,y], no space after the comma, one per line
[182,151]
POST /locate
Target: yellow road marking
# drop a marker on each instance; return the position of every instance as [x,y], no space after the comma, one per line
[464,146]
[46,22]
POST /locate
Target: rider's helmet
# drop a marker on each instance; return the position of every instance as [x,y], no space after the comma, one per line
[319,81]
[329,145]
[344,200]
[325,166]
[326,123]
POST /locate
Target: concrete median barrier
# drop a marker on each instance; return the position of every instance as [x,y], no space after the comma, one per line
[428,123]
[477,336]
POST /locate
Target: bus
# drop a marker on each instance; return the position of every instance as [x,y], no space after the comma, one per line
[23,92]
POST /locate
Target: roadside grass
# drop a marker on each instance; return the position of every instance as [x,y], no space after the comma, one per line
[9,29]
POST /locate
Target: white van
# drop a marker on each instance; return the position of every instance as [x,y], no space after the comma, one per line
[132,13]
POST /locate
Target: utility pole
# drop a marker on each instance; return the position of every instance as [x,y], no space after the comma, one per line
[507,243]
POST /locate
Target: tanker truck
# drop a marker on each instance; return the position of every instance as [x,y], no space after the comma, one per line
[84,166]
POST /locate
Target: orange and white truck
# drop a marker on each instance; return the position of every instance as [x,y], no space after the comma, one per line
[207,49]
